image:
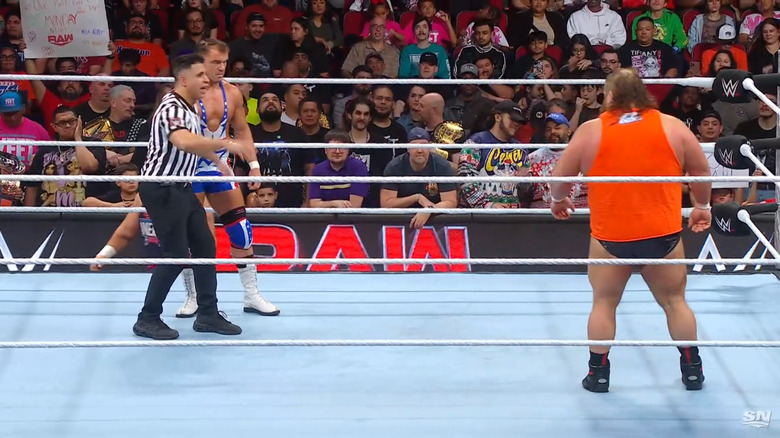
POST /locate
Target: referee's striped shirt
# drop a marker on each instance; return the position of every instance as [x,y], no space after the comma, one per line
[163,158]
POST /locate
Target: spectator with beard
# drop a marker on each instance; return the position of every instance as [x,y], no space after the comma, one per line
[468,104]
[503,160]
[255,46]
[358,90]
[154,61]
[408,113]
[375,44]
[310,123]
[276,160]
[609,61]
[543,160]
[140,8]
[145,92]
[494,92]
[382,124]
[68,93]
[194,27]
[357,119]
[482,44]
[339,163]
[98,105]
[423,51]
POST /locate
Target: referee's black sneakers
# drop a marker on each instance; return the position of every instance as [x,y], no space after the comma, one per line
[216,323]
[154,328]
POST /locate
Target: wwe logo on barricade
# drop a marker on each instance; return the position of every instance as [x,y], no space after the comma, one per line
[6,252]
[757,419]
[726,156]
[730,87]
[724,224]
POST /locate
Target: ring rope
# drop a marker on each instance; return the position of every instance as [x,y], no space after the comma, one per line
[386,343]
[385,261]
[279,210]
[692,82]
[393,179]
[143,144]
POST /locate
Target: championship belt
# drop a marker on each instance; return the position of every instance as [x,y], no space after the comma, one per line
[99,129]
[11,165]
[447,133]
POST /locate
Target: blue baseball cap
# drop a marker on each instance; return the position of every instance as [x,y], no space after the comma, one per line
[558,118]
[10,102]
[419,134]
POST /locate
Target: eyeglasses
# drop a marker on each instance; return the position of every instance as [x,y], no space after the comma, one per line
[66,123]
[7,57]
[580,50]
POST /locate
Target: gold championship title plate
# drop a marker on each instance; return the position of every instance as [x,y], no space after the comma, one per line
[447,133]
[11,165]
[100,129]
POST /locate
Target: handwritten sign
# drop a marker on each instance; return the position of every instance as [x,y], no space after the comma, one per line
[718,170]
[64,28]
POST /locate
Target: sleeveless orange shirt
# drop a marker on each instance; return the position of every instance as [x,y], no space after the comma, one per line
[634,144]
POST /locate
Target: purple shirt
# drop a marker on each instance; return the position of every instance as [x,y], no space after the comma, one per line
[336,191]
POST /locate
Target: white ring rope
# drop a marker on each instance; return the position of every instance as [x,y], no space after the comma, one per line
[385,261]
[386,343]
[279,210]
[143,144]
[691,82]
[393,179]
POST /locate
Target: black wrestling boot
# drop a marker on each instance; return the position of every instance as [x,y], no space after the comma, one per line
[597,379]
[692,375]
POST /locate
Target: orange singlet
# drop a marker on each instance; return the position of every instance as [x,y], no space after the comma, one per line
[634,144]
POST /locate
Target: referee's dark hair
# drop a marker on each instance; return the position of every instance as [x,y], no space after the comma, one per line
[185,62]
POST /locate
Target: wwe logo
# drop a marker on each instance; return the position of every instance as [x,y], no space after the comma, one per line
[726,157]
[730,87]
[724,224]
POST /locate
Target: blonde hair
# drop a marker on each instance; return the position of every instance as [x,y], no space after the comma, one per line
[208,44]
[628,92]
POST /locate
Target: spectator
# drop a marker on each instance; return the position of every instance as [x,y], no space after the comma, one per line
[324,25]
[502,160]
[609,61]
[68,93]
[8,63]
[732,114]
[277,159]
[152,30]
[125,126]
[750,22]
[522,26]
[588,105]
[154,61]
[440,30]
[394,35]
[358,90]
[419,162]
[543,160]
[15,126]
[482,44]
[263,197]
[531,62]
[377,65]
[300,38]
[539,115]
[255,46]
[493,16]
[14,37]
[193,33]
[469,104]
[685,104]
[651,58]
[339,163]
[98,105]
[293,95]
[209,22]
[494,92]
[124,197]
[382,124]
[666,24]
[357,119]
[445,132]
[704,28]
[763,126]
[280,17]
[600,24]
[412,55]
[145,92]
[581,57]
[726,37]
[63,160]
[762,57]
[375,43]
[310,121]
[408,113]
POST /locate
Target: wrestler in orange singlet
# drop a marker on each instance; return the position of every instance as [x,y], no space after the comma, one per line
[636,220]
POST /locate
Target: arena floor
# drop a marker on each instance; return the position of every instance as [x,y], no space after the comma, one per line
[381,392]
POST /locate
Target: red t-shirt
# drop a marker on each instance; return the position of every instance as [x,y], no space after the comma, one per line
[51,102]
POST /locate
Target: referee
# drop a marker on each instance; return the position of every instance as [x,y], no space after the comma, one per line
[178,218]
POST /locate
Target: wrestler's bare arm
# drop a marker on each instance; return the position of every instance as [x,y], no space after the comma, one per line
[692,158]
[238,122]
[572,160]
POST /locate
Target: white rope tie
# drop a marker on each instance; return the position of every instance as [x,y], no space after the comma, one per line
[385,261]
[394,179]
[691,82]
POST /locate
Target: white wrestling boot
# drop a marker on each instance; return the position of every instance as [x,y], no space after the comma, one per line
[190,307]
[253,301]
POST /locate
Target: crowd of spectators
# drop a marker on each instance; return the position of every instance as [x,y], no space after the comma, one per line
[424,39]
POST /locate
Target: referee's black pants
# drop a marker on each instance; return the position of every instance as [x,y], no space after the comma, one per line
[180,224]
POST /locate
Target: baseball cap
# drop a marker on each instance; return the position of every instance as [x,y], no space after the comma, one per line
[10,102]
[509,107]
[710,113]
[418,133]
[726,32]
[255,17]
[429,58]
[558,118]
[374,55]
[468,69]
